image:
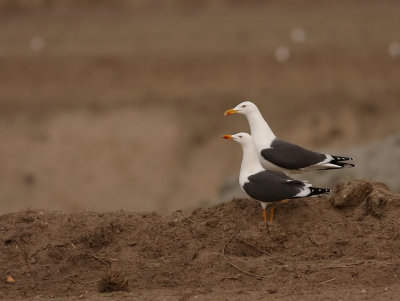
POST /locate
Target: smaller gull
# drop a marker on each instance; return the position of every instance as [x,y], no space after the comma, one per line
[288,156]
[267,186]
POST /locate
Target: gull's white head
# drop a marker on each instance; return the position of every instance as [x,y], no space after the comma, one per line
[244,108]
[242,138]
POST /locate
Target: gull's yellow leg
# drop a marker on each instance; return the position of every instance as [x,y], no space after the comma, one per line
[285,201]
[265,215]
[271,217]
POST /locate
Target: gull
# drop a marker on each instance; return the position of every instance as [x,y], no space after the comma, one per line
[287,156]
[267,186]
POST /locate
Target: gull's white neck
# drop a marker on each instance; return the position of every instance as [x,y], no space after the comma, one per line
[250,162]
[260,130]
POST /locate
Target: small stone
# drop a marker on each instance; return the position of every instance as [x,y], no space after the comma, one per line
[375,203]
[43,225]
[351,194]
[212,222]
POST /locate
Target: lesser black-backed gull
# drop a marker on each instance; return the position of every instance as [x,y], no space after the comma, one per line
[285,155]
[267,186]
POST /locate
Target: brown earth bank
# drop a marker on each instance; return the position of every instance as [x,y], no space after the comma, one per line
[345,245]
[106,98]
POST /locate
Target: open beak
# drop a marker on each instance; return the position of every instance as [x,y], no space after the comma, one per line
[230,137]
[230,112]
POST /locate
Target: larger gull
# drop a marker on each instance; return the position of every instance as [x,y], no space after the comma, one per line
[267,186]
[288,156]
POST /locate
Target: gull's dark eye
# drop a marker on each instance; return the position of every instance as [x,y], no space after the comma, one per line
[243,106]
[240,136]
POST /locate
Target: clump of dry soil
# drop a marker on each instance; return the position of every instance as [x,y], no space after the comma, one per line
[320,247]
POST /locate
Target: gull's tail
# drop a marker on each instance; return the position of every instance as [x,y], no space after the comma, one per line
[335,162]
[311,191]
[317,191]
[338,161]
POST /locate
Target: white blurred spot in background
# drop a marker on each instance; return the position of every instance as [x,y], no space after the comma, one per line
[37,43]
[282,54]
[298,35]
[394,49]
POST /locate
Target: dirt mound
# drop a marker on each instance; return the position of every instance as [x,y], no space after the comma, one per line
[317,247]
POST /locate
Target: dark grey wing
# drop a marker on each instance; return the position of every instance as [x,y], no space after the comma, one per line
[284,177]
[267,186]
[291,156]
[279,174]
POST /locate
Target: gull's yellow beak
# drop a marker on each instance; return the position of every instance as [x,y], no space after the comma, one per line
[228,137]
[230,112]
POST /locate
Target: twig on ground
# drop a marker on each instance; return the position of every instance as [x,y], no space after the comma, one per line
[241,270]
[231,277]
[313,242]
[254,246]
[229,241]
[347,265]
[94,256]
[234,265]
[326,281]
[71,278]
[189,219]
[262,251]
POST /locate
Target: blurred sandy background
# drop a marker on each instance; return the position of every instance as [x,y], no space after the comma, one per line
[112,105]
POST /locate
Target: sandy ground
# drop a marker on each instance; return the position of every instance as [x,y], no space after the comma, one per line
[120,107]
[345,245]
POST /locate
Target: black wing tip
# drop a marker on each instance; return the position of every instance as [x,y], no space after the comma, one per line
[338,158]
[317,191]
[339,162]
